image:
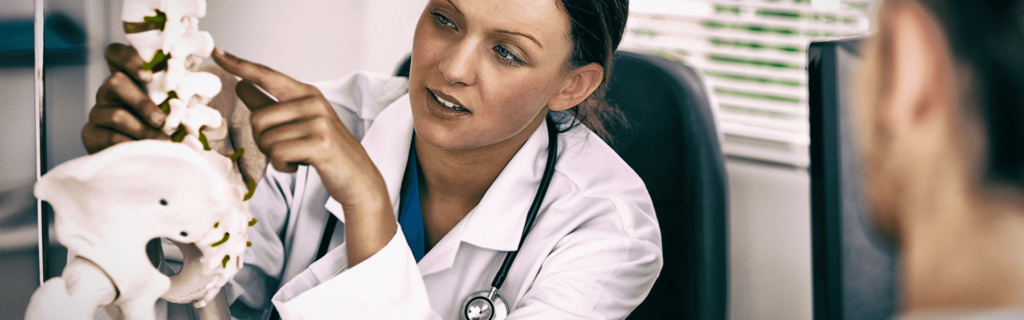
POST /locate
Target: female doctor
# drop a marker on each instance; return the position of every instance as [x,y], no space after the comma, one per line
[390,198]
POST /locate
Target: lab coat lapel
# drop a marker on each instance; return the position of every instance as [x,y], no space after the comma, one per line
[387,143]
[442,256]
[497,221]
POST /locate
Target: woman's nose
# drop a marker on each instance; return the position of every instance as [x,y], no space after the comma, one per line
[460,64]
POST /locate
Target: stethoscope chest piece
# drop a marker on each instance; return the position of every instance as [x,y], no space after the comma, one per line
[484,305]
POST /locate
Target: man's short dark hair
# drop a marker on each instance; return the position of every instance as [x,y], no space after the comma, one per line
[987,42]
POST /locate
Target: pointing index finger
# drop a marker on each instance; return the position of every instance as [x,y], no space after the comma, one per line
[277,84]
[252,96]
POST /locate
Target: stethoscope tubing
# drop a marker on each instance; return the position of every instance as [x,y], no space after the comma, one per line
[545,181]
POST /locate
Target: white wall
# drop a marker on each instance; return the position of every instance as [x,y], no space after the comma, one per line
[15,10]
[769,241]
[313,40]
[17,128]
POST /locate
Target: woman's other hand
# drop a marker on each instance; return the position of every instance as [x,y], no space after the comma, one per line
[123,110]
[301,127]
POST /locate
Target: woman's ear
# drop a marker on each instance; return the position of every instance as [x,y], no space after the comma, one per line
[580,83]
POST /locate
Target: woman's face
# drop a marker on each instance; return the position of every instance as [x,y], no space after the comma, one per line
[483,70]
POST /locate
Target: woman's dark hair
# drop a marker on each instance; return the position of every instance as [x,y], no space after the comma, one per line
[987,40]
[596,28]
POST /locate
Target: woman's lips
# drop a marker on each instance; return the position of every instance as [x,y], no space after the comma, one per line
[443,108]
[448,101]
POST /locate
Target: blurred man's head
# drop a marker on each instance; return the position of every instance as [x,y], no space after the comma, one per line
[942,123]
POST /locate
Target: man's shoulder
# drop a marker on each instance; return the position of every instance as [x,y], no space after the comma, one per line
[993,314]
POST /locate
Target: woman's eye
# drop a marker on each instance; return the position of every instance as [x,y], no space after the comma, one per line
[443,21]
[506,56]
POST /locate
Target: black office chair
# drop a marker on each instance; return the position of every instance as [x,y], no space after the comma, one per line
[671,142]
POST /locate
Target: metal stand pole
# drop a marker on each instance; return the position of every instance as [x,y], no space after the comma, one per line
[43,222]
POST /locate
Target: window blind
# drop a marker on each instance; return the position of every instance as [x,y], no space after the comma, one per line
[753,54]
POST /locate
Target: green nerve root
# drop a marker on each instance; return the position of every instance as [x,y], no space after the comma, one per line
[158,58]
[238,154]
[154,22]
[180,135]
[222,241]
[202,138]
[252,189]
[166,105]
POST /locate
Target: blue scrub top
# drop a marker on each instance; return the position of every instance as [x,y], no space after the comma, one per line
[410,213]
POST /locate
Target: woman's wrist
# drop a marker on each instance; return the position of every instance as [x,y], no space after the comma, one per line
[369,226]
[353,188]
[369,218]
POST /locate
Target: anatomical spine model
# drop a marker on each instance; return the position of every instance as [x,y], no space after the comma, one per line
[166,34]
[110,204]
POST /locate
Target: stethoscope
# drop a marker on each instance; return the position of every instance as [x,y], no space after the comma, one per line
[488,304]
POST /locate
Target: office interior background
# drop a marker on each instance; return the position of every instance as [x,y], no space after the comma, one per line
[752,53]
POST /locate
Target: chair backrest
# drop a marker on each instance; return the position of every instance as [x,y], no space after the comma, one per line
[671,142]
[403,69]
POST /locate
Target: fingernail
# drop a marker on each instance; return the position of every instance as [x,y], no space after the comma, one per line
[157,118]
[145,75]
[230,56]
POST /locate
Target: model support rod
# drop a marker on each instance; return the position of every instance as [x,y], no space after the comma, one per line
[40,115]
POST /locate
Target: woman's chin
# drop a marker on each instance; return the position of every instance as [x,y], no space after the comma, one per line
[439,137]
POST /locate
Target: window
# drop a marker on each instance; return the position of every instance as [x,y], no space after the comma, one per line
[753,53]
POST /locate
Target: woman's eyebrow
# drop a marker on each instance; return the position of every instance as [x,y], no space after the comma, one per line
[502,31]
[521,35]
[454,6]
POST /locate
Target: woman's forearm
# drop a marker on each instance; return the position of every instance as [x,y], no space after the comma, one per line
[369,223]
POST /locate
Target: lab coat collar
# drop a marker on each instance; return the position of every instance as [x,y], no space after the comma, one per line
[496,223]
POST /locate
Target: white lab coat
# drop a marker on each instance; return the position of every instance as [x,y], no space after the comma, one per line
[594,252]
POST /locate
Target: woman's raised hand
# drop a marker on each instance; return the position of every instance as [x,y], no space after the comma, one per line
[301,127]
[123,110]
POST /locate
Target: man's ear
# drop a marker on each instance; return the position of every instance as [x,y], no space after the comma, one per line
[579,84]
[921,66]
